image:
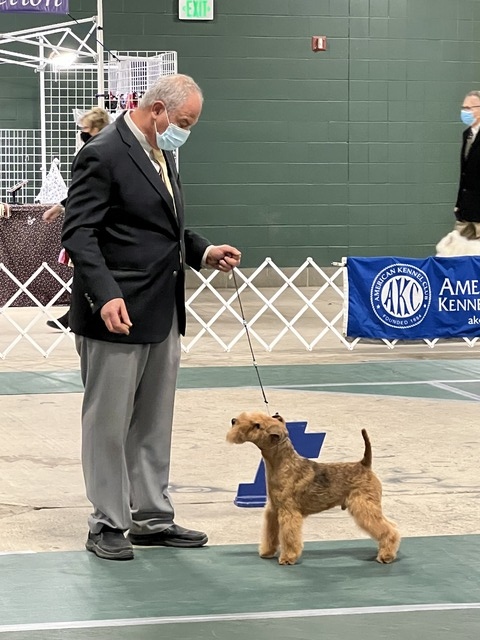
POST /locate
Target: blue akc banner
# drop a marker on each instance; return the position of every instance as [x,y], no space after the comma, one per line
[412,299]
[41,6]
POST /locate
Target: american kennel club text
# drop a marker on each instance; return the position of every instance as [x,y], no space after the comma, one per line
[401,296]
[460,295]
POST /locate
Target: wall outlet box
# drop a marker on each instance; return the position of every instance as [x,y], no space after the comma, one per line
[319,43]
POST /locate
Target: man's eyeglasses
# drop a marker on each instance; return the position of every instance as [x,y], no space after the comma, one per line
[475,106]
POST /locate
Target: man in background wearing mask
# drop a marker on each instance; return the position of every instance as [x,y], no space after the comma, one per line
[467,208]
[125,233]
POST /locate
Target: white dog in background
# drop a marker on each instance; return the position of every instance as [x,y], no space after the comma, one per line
[453,244]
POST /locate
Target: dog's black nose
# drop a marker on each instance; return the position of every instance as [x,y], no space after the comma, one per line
[233,421]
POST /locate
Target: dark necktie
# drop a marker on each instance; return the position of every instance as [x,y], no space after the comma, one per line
[468,143]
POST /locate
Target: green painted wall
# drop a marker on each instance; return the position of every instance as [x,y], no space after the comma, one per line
[352,151]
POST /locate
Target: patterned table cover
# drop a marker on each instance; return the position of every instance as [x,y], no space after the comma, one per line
[25,242]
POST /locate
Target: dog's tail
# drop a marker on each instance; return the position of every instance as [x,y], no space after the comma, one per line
[367,455]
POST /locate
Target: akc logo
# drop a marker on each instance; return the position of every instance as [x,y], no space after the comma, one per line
[400,296]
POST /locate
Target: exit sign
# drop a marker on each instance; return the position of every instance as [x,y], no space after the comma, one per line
[195,9]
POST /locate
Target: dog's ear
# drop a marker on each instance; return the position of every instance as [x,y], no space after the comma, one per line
[277,416]
[275,432]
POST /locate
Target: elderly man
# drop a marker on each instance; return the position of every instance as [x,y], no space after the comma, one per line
[125,232]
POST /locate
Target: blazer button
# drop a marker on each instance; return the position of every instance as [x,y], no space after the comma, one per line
[175,274]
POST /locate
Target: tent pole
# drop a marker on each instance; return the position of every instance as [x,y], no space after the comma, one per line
[100,56]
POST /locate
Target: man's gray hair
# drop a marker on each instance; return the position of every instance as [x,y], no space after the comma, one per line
[473,93]
[172,90]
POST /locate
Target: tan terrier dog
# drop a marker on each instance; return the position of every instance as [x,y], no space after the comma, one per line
[298,487]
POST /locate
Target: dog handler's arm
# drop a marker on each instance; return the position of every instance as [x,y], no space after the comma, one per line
[86,208]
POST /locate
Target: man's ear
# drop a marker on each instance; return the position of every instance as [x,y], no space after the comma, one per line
[158,107]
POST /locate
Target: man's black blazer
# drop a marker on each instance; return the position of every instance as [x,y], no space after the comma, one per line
[125,239]
[468,198]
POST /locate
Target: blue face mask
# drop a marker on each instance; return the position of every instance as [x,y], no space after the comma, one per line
[172,138]
[467,117]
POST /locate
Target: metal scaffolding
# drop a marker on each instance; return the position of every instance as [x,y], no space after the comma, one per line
[52,48]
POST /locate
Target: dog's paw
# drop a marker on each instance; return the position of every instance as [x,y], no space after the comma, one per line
[287,560]
[386,558]
[267,553]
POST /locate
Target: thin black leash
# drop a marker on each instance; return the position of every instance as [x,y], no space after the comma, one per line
[249,340]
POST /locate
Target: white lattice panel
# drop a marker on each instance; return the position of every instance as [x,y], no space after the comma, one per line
[287,315]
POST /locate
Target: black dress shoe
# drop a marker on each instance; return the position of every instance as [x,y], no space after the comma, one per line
[174,536]
[109,544]
[63,320]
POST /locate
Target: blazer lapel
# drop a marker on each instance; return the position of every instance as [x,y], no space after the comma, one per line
[144,164]
[463,159]
[473,146]
[177,192]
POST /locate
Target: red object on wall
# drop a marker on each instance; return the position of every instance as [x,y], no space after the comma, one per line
[319,43]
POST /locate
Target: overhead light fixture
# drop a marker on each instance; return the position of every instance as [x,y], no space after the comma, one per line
[62,60]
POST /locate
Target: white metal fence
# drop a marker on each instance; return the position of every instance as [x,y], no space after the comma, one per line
[301,309]
[20,159]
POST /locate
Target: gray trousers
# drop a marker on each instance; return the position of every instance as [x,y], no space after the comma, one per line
[127,416]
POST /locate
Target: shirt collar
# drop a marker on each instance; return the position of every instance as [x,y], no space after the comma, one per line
[139,135]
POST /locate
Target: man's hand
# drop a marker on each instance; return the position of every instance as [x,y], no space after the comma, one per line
[115,316]
[52,214]
[223,257]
